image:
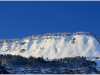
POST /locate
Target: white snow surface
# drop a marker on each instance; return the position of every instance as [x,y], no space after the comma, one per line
[53,47]
[98,62]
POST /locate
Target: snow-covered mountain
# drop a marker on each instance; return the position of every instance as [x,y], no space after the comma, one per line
[55,45]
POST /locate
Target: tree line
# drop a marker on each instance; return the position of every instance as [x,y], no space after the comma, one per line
[68,62]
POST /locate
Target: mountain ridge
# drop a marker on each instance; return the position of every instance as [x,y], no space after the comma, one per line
[55,45]
[51,34]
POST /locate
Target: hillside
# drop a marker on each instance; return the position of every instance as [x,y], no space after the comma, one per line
[55,45]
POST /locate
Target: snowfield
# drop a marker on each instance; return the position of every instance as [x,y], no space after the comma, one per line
[53,46]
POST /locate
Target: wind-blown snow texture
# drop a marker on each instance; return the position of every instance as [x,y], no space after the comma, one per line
[53,46]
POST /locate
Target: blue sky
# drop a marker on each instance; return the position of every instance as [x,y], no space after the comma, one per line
[22,19]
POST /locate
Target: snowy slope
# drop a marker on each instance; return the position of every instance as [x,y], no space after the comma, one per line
[53,46]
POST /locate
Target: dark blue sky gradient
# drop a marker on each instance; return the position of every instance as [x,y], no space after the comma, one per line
[22,19]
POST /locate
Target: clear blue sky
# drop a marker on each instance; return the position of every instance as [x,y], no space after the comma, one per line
[22,19]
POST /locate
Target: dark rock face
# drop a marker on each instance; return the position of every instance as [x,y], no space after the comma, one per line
[22,50]
[73,40]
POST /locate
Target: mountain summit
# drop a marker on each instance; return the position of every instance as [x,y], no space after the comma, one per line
[55,45]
